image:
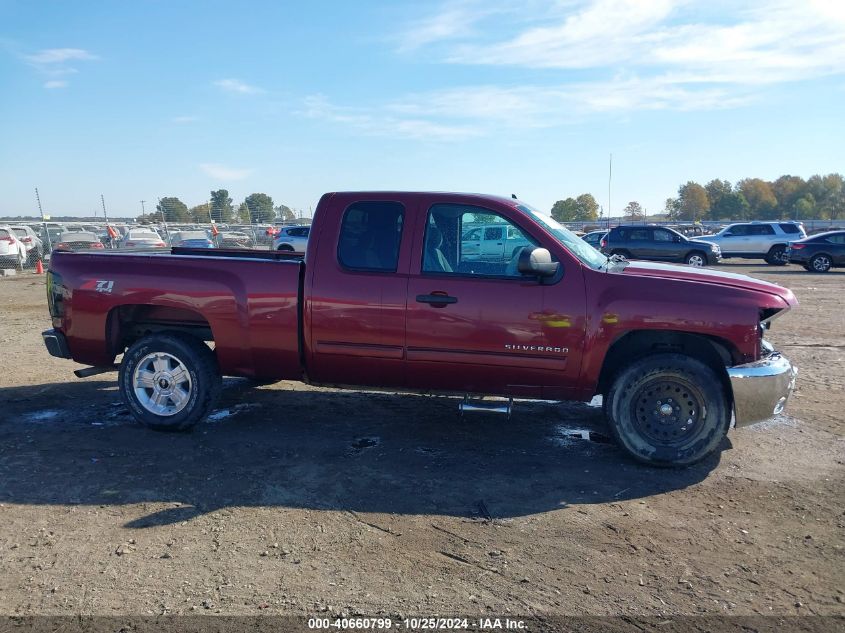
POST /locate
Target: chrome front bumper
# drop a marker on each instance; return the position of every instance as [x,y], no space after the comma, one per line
[761,388]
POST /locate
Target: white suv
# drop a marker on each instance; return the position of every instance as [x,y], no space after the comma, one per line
[758,240]
[292,239]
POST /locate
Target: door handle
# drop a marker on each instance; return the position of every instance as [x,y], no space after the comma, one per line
[437,300]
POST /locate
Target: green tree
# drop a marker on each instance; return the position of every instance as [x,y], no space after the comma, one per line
[805,207]
[718,192]
[200,213]
[633,212]
[761,199]
[565,210]
[285,213]
[788,190]
[829,195]
[221,206]
[732,206]
[242,214]
[672,208]
[172,210]
[260,207]
[693,203]
[588,208]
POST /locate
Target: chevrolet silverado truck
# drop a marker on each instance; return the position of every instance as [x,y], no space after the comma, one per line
[387,296]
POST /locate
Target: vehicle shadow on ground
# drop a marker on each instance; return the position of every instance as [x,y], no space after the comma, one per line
[325,450]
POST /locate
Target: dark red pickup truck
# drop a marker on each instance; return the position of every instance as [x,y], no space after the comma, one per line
[439,292]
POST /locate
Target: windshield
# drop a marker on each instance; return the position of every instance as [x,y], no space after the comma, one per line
[571,242]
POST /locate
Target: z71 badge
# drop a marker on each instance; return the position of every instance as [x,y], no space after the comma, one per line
[100,285]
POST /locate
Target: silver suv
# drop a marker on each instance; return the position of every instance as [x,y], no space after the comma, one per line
[758,240]
[292,238]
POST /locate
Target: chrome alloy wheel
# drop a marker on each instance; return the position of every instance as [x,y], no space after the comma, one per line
[162,384]
[821,263]
[696,260]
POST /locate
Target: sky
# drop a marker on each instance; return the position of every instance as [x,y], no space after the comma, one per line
[146,99]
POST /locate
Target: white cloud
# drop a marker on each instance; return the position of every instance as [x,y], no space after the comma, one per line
[686,43]
[383,122]
[221,172]
[59,56]
[55,83]
[237,86]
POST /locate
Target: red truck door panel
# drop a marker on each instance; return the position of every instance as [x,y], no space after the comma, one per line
[479,326]
[355,311]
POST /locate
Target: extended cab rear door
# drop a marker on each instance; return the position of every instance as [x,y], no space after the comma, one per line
[357,279]
[480,326]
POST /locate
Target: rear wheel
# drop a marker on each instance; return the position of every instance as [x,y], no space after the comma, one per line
[285,247]
[777,256]
[668,410]
[820,263]
[696,258]
[169,382]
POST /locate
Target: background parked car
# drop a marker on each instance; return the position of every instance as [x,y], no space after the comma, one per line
[78,241]
[491,242]
[12,250]
[818,253]
[142,239]
[191,239]
[758,240]
[593,238]
[234,239]
[30,239]
[658,243]
[292,238]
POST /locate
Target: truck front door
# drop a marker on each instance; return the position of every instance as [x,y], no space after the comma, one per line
[480,326]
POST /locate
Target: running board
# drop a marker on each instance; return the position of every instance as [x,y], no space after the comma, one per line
[481,406]
[95,371]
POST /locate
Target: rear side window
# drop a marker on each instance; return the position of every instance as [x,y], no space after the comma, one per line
[839,238]
[790,228]
[762,229]
[370,234]
[298,232]
[3,233]
[640,235]
[20,232]
[662,235]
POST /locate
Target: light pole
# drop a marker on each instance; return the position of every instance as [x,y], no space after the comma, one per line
[143,213]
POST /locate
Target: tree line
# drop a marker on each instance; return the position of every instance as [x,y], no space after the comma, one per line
[256,208]
[789,197]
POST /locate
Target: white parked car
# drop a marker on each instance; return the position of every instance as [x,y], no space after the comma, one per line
[758,240]
[12,250]
[142,239]
[292,238]
[34,245]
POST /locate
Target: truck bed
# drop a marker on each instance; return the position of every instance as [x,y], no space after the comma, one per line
[248,299]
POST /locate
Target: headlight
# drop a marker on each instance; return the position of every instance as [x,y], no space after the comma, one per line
[714,248]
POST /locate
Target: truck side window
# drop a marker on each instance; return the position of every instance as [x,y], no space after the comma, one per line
[370,235]
[452,243]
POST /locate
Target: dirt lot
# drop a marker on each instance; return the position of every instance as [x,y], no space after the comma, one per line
[299,500]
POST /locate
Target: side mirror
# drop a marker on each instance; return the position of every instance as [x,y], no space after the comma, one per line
[537,262]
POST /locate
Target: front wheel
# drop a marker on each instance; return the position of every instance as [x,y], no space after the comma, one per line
[668,410]
[169,382]
[697,259]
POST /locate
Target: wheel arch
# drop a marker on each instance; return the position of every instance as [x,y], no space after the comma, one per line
[717,353]
[127,323]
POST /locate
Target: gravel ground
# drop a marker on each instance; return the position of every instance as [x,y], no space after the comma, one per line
[301,500]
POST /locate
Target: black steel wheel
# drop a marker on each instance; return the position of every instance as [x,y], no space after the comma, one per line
[668,410]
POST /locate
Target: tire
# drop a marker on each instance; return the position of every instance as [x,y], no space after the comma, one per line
[656,434]
[286,247]
[775,256]
[196,387]
[696,258]
[820,263]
